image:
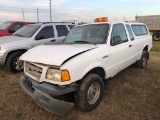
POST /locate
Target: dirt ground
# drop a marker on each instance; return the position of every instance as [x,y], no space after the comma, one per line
[133,94]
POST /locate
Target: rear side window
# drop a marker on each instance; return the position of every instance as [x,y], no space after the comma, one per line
[139,30]
[62,30]
[130,32]
[144,30]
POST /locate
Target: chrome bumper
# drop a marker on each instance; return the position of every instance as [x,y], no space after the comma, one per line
[44,100]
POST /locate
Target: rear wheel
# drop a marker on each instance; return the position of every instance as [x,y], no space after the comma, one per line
[90,93]
[142,63]
[13,63]
[156,37]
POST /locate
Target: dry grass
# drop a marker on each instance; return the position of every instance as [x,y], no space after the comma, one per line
[132,94]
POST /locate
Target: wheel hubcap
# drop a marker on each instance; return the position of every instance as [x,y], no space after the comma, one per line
[93,93]
[18,64]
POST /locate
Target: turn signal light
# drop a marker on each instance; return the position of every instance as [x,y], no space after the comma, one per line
[65,76]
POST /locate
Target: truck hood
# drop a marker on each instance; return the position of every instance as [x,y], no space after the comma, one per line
[55,54]
[11,39]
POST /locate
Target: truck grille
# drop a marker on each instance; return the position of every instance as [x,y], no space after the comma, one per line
[33,70]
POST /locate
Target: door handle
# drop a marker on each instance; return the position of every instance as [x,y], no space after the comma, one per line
[130,45]
[53,40]
[105,56]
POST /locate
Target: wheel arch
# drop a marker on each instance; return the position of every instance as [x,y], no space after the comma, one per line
[97,70]
[146,49]
[12,51]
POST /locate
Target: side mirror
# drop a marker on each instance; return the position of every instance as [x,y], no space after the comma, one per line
[117,39]
[11,30]
[39,37]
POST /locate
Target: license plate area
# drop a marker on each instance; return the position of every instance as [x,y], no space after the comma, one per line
[29,85]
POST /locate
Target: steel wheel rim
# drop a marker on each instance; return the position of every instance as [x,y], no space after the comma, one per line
[18,64]
[93,93]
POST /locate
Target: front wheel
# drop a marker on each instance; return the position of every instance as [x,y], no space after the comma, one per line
[13,63]
[90,93]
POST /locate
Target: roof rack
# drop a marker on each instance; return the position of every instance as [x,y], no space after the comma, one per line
[56,22]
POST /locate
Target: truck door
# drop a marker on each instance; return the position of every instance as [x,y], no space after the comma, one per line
[120,50]
[134,44]
[45,36]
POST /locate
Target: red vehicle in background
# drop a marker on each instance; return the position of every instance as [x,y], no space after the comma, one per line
[9,27]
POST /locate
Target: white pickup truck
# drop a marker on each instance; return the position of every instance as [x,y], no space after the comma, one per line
[90,54]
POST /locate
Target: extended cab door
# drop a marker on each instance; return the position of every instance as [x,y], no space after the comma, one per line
[120,49]
[45,36]
[134,46]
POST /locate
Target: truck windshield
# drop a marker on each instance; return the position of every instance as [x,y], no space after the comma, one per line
[27,31]
[5,25]
[88,34]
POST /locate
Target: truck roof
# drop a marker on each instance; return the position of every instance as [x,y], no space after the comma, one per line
[113,22]
[51,23]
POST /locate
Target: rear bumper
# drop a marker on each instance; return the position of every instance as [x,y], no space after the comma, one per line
[43,99]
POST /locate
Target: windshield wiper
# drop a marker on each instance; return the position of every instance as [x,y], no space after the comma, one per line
[86,42]
[19,35]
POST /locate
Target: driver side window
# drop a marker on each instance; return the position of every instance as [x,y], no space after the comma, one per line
[46,32]
[119,31]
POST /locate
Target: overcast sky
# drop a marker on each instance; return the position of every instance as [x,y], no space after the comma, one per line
[82,10]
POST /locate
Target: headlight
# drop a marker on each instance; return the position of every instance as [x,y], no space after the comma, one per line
[58,75]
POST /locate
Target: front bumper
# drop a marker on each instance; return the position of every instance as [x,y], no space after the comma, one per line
[38,92]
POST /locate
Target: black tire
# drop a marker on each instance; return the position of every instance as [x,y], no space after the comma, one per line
[81,95]
[10,63]
[142,63]
[155,37]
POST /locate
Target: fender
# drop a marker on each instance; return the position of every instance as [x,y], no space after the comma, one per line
[14,49]
[91,67]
